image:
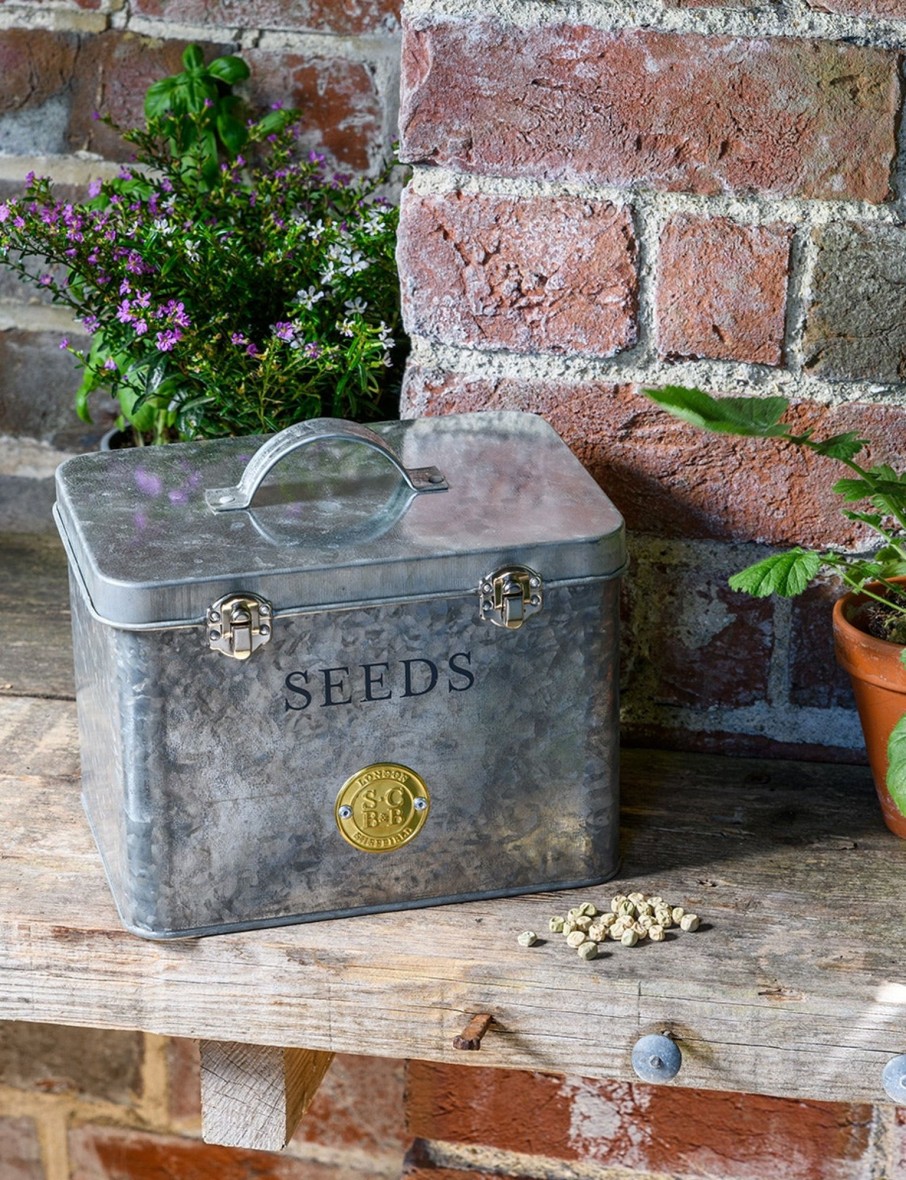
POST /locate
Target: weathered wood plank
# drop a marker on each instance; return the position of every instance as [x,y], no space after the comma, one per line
[254,1096]
[36,648]
[795,985]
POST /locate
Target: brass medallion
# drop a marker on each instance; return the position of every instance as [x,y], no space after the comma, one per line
[382,807]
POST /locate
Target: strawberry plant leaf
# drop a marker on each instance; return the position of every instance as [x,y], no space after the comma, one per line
[747,416]
[786,574]
[853,489]
[841,446]
[896,765]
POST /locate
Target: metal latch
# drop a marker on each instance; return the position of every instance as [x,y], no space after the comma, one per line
[510,596]
[239,624]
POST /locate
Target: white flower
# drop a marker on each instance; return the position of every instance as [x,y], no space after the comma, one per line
[308,298]
[356,306]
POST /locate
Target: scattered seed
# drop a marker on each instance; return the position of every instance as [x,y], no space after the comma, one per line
[527,938]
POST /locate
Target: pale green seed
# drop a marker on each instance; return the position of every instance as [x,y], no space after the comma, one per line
[629,938]
[588,950]
[527,938]
[690,922]
[556,924]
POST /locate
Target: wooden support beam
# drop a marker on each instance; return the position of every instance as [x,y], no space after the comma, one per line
[253,1096]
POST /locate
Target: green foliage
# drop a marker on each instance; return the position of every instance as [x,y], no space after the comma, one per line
[786,574]
[896,764]
[230,282]
[880,488]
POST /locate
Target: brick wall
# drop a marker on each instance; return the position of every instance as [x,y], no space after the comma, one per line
[613,195]
[659,191]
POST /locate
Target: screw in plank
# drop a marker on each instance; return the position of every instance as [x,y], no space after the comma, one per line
[656,1058]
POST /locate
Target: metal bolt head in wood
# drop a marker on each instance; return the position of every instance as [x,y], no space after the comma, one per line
[656,1058]
[893,1079]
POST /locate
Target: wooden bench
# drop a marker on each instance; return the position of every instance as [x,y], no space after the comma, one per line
[795,985]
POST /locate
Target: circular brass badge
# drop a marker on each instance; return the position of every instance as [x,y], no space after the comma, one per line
[382,807]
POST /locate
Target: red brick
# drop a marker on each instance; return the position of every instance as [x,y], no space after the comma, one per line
[361,1105]
[670,479]
[536,274]
[722,289]
[34,66]
[784,116]
[353,17]
[183,1080]
[114,71]
[20,1152]
[105,1153]
[342,112]
[664,1129]
[705,646]
[93,1063]
[816,680]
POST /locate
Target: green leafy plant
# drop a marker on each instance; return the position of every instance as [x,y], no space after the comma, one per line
[229,281]
[874,496]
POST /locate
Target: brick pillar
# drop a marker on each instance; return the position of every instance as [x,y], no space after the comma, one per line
[711,199]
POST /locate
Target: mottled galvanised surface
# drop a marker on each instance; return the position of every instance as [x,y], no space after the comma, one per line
[211,783]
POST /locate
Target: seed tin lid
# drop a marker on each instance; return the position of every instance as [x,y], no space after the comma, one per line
[333,523]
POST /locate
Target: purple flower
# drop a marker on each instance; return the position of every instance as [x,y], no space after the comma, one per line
[284,331]
[4,212]
[142,299]
[124,312]
[252,349]
[313,350]
[29,178]
[110,364]
[140,327]
[94,188]
[64,343]
[125,287]
[167,339]
[91,323]
[238,338]
[45,281]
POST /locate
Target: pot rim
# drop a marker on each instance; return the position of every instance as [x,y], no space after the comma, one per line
[864,656]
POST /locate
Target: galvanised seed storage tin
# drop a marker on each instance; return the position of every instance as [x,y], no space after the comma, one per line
[343,670]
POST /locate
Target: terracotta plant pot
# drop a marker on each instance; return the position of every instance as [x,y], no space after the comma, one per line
[879,683]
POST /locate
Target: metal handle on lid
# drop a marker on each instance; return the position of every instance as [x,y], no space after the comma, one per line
[419,479]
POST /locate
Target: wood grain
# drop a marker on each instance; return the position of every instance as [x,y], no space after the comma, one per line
[254,1096]
[794,985]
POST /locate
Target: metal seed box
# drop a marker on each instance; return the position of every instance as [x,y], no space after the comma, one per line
[342,670]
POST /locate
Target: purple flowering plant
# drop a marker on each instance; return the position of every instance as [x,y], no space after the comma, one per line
[229,282]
